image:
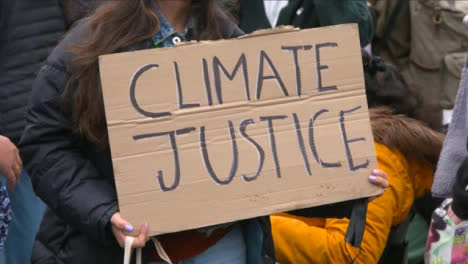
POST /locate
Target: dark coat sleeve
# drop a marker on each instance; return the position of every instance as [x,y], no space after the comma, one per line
[74,10]
[335,12]
[460,192]
[62,176]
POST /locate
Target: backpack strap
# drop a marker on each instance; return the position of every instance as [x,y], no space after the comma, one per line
[357,223]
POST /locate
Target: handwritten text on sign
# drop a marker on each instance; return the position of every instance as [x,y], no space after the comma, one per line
[235,129]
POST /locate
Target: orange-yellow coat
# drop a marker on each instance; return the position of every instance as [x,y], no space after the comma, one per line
[321,240]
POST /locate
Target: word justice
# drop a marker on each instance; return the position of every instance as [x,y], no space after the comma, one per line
[305,145]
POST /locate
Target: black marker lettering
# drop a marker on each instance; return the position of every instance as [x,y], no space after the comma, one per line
[294,50]
[180,97]
[261,77]
[206,79]
[313,148]
[323,67]
[206,158]
[347,141]
[184,131]
[300,139]
[261,154]
[242,62]
[172,139]
[133,99]
[271,132]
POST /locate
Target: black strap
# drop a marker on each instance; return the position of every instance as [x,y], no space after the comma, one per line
[357,223]
[380,42]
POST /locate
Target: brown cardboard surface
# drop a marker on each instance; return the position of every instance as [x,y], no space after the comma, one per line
[311,132]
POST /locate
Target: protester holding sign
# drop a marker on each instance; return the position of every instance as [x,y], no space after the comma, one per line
[406,150]
[65,139]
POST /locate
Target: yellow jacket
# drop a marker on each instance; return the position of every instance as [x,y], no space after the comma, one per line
[322,240]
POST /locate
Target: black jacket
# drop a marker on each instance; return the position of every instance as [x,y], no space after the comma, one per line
[75,179]
[73,176]
[74,10]
[29,30]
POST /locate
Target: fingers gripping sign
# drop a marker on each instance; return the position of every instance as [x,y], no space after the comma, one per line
[378,178]
[121,229]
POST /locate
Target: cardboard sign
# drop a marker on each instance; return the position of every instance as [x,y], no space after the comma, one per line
[214,132]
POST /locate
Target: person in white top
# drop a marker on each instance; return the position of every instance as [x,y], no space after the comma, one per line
[273,9]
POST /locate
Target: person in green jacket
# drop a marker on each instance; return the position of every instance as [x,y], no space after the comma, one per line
[261,14]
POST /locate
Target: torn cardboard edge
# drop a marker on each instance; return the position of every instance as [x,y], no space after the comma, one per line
[256,33]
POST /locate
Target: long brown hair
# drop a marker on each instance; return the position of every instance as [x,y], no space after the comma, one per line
[114,27]
[416,141]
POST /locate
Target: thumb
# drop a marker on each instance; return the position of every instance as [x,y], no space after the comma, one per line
[121,223]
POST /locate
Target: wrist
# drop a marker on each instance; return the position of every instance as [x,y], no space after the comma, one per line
[107,235]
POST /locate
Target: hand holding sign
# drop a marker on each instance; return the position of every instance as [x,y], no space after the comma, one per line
[379,178]
[121,228]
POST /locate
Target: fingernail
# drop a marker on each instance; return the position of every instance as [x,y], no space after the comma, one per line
[372,178]
[375,171]
[128,228]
